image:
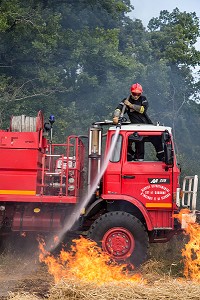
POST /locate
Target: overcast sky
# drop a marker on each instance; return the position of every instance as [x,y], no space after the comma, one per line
[147,9]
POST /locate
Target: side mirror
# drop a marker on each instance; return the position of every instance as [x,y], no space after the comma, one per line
[135,137]
[166,138]
[168,149]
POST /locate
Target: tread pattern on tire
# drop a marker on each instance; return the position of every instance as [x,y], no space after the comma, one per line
[128,221]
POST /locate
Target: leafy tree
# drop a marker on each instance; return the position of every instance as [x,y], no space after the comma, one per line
[76,59]
[173,36]
[48,53]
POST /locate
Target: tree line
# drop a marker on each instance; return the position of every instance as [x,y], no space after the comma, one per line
[78,59]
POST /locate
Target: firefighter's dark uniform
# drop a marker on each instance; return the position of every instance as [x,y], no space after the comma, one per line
[138,115]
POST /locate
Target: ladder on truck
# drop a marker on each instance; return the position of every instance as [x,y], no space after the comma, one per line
[188,193]
[190,186]
[189,200]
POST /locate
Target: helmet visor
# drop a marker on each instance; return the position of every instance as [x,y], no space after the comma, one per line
[136,94]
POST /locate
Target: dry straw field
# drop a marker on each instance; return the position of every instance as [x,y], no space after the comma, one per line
[84,273]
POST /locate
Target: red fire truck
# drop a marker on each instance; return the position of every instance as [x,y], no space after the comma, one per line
[42,184]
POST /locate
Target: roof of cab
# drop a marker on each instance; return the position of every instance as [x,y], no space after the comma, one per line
[142,127]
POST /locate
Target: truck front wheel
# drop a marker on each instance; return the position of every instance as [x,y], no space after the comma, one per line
[122,236]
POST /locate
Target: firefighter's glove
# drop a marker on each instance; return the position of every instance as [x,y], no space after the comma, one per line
[135,107]
[128,103]
[116,116]
[115,120]
[117,113]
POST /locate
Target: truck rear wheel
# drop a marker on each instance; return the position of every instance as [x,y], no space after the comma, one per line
[122,236]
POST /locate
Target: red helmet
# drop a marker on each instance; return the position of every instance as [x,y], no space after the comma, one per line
[136,88]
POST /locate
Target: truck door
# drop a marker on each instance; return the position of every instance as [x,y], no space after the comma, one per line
[112,175]
[147,179]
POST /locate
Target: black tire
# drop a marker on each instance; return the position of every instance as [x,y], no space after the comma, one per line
[122,236]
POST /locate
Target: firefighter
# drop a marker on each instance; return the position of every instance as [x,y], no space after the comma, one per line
[136,109]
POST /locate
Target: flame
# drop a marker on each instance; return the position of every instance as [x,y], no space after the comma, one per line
[85,261]
[182,212]
[191,251]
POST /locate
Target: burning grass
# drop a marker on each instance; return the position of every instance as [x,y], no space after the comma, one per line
[85,272]
[86,261]
[191,253]
[158,284]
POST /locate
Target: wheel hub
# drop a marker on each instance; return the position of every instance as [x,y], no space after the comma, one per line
[118,242]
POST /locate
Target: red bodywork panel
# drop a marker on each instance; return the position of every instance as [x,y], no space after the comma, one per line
[39,181]
[41,222]
[29,173]
[20,158]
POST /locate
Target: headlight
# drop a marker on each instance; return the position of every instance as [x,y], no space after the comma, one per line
[71,187]
[71,180]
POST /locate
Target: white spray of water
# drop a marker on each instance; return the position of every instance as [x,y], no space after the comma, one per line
[76,214]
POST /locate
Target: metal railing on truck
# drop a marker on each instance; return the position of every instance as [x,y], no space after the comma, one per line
[188,198]
[61,173]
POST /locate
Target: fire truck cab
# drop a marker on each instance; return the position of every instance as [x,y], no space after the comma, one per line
[140,196]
